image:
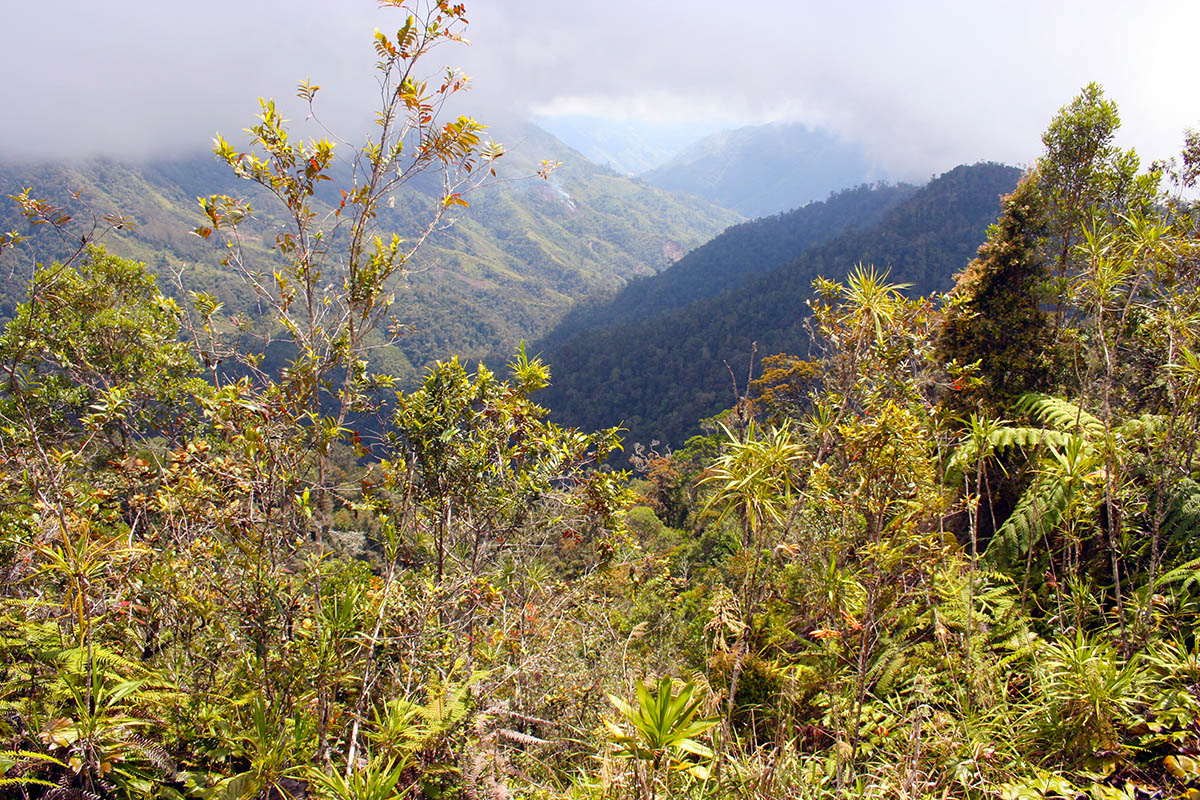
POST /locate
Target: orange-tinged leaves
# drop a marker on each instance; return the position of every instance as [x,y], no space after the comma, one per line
[306,90]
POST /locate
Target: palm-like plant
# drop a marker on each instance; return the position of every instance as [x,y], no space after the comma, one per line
[1091,692]
[378,780]
[872,302]
[665,726]
[104,740]
[756,477]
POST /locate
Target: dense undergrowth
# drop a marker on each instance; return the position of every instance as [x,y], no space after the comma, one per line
[951,556]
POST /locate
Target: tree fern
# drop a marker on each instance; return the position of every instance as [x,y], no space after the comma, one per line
[1065,456]
[1027,438]
[1039,510]
[1182,521]
[963,461]
[1060,415]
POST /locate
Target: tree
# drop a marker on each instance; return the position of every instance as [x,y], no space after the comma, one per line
[783,388]
[1084,178]
[479,460]
[1011,319]
[994,325]
[331,289]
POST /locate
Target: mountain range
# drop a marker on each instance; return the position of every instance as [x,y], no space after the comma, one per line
[512,264]
[659,374]
[627,289]
[760,170]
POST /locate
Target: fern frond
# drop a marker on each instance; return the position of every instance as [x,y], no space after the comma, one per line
[1040,508]
[961,462]
[1061,415]
[889,670]
[75,658]
[153,753]
[1186,575]
[19,762]
[1002,438]
[25,755]
[1143,427]
[1182,521]
[63,792]
[1027,438]
[26,782]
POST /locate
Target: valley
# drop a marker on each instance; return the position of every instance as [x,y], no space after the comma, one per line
[731,432]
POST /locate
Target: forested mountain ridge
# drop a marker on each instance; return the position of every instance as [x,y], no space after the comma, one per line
[956,555]
[509,267]
[759,170]
[660,376]
[732,257]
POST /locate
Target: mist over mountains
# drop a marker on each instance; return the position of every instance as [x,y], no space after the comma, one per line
[622,283]
[631,450]
[756,170]
[764,169]
[630,289]
[625,146]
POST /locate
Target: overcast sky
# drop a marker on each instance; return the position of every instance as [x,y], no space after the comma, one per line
[922,85]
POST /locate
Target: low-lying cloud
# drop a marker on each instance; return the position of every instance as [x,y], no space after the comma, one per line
[921,86]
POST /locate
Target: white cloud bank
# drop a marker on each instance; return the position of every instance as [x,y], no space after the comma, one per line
[921,85]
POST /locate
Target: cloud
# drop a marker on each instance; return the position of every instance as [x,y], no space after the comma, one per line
[922,85]
[130,78]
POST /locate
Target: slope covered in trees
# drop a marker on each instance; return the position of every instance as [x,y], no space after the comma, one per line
[660,376]
[507,269]
[732,257]
[934,578]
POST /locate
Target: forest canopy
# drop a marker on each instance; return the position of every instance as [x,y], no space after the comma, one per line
[949,553]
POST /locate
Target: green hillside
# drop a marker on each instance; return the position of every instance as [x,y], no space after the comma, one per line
[949,549]
[733,257]
[659,376]
[508,268]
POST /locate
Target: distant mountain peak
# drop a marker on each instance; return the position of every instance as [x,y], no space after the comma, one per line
[759,170]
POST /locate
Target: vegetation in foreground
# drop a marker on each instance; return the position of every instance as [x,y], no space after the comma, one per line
[951,557]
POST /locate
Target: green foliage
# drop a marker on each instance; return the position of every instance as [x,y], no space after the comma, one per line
[660,373]
[666,725]
[377,780]
[1182,520]
[995,319]
[755,477]
[99,338]
[303,580]
[1092,692]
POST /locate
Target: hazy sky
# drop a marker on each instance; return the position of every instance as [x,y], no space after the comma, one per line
[922,85]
